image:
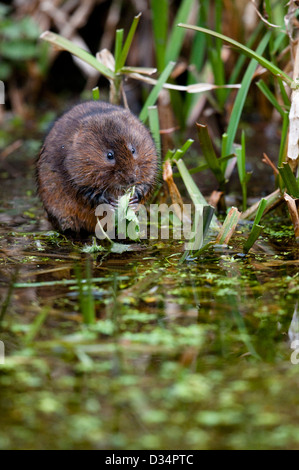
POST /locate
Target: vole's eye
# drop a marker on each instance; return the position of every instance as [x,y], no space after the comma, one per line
[110,155]
[133,151]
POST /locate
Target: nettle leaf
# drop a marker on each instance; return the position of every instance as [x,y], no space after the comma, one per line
[5,70]
[18,50]
[25,28]
[29,28]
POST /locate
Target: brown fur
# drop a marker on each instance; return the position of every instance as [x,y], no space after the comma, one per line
[74,174]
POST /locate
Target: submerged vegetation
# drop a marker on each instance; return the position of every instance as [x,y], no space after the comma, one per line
[157,343]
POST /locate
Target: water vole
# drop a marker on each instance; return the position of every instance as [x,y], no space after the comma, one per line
[92,155]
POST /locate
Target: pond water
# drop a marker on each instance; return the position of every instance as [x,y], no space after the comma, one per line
[193,355]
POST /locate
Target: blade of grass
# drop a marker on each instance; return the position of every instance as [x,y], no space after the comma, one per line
[96,93]
[228,226]
[223,163]
[205,166]
[214,52]
[119,34]
[253,236]
[176,38]
[243,175]
[242,58]
[208,212]
[256,55]
[272,199]
[241,97]
[194,192]
[289,180]
[128,42]
[279,43]
[283,139]
[160,15]
[155,126]
[256,228]
[209,153]
[67,45]
[139,70]
[196,59]
[284,95]
[186,145]
[152,98]
[169,154]
[260,211]
[176,155]
[270,96]
[223,144]
[191,89]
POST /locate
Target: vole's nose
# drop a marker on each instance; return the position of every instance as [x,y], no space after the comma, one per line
[133,177]
[131,180]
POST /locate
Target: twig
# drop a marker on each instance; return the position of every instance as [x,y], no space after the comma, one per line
[269,162]
[273,199]
[10,149]
[262,18]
